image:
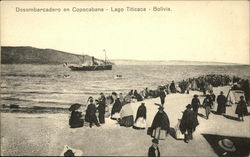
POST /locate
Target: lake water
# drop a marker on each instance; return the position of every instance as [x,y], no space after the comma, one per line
[45,85]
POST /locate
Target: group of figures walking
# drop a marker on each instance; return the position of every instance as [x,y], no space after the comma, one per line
[118,108]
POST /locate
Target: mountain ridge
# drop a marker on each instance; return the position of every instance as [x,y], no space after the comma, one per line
[32,55]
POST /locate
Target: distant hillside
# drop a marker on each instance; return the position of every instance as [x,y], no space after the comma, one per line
[170,62]
[31,55]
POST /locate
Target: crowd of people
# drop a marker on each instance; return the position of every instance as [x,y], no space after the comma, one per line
[118,107]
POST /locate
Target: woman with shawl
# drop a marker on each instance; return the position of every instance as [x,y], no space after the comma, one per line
[140,120]
[126,116]
[160,126]
[116,107]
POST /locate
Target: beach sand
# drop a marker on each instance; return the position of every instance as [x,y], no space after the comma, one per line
[47,134]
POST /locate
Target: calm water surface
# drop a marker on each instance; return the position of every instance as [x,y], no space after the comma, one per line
[45,85]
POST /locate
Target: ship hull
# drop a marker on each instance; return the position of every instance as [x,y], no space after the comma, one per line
[91,68]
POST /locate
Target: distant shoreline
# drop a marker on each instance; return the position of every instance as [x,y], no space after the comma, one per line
[32,55]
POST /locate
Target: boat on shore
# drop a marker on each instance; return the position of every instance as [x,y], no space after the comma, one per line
[93,66]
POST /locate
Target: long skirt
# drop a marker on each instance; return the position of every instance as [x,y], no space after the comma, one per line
[221,108]
[208,110]
[241,110]
[140,123]
[159,134]
[127,121]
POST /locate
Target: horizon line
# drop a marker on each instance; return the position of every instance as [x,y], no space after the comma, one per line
[126,59]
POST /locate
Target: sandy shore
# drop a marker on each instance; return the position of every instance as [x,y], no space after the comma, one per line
[46,134]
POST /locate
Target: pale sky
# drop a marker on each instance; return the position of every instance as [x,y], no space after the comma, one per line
[196,31]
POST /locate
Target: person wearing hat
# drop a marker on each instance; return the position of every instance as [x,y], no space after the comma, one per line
[154,151]
[212,96]
[160,126]
[188,123]
[91,112]
[195,104]
[162,96]
[140,120]
[75,120]
[227,147]
[101,108]
[221,101]
[207,103]
[172,87]
[241,108]
[116,108]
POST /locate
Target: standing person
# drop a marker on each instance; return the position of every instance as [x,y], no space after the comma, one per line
[221,101]
[121,98]
[195,104]
[160,126]
[146,94]
[172,87]
[162,96]
[137,96]
[101,108]
[241,108]
[188,123]
[212,96]
[91,112]
[202,87]
[140,120]
[154,151]
[207,103]
[116,106]
[126,116]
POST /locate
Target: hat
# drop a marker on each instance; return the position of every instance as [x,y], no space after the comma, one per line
[227,145]
[189,106]
[161,108]
[155,141]
[195,96]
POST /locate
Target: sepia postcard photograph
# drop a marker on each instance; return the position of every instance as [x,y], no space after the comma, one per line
[125,78]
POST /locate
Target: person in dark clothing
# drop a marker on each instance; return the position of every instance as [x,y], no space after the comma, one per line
[117,106]
[221,101]
[195,104]
[146,93]
[154,151]
[160,126]
[137,96]
[131,92]
[202,87]
[140,120]
[241,109]
[91,112]
[212,96]
[207,103]
[162,96]
[246,89]
[188,123]
[172,87]
[101,108]
[76,120]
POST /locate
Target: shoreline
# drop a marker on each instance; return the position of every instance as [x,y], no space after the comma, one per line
[46,134]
